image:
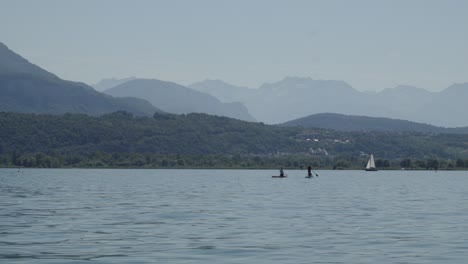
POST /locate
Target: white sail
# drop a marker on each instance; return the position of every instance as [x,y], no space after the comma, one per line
[370,163]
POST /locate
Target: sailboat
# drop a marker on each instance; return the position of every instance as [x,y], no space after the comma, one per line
[371,164]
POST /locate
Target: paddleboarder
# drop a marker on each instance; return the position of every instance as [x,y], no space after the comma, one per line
[309,171]
[281,172]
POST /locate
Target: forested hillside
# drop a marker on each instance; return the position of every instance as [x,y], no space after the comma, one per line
[121,139]
[122,132]
[342,122]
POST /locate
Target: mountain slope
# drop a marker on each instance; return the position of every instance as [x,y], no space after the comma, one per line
[223,91]
[448,107]
[178,99]
[295,97]
[105,84]
[12,63]
[25,87]
[403,98]
[342,122]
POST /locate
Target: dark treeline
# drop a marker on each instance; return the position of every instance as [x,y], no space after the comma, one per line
[203,141]
[135,160]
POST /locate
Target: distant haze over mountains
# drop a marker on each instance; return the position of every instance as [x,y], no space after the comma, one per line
[105,84]
[12,63]
[295,97]
[223,91]
[178,99]
[25,87]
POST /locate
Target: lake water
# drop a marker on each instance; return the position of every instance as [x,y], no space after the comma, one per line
[232,216]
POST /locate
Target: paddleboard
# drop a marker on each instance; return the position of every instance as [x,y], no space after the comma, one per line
[279,176]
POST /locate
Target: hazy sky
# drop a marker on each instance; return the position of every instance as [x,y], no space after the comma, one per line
[372,44]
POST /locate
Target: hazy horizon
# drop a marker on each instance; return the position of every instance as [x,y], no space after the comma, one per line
[371,45]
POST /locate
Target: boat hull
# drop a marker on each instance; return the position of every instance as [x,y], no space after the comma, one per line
[371,169]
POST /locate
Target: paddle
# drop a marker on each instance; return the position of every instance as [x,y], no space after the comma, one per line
[312,174]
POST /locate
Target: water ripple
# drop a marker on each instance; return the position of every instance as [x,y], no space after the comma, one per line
[216,216]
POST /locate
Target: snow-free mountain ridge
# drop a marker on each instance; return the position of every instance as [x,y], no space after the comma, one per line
[178,99]
[25,87]
[296,97]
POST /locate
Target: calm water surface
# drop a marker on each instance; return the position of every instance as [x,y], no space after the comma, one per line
[232,216]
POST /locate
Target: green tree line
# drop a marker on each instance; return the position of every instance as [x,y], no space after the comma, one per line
[202,141]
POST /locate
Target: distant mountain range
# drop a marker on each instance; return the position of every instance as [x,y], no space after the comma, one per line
[178,99]
[295,97]
[105,84]
[223,91]
[342,122]
[25,87]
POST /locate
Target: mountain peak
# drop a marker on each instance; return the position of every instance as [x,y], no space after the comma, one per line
[25,87]
[175,98]
[12,63]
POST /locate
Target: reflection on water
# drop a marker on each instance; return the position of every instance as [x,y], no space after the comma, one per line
[232,216]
